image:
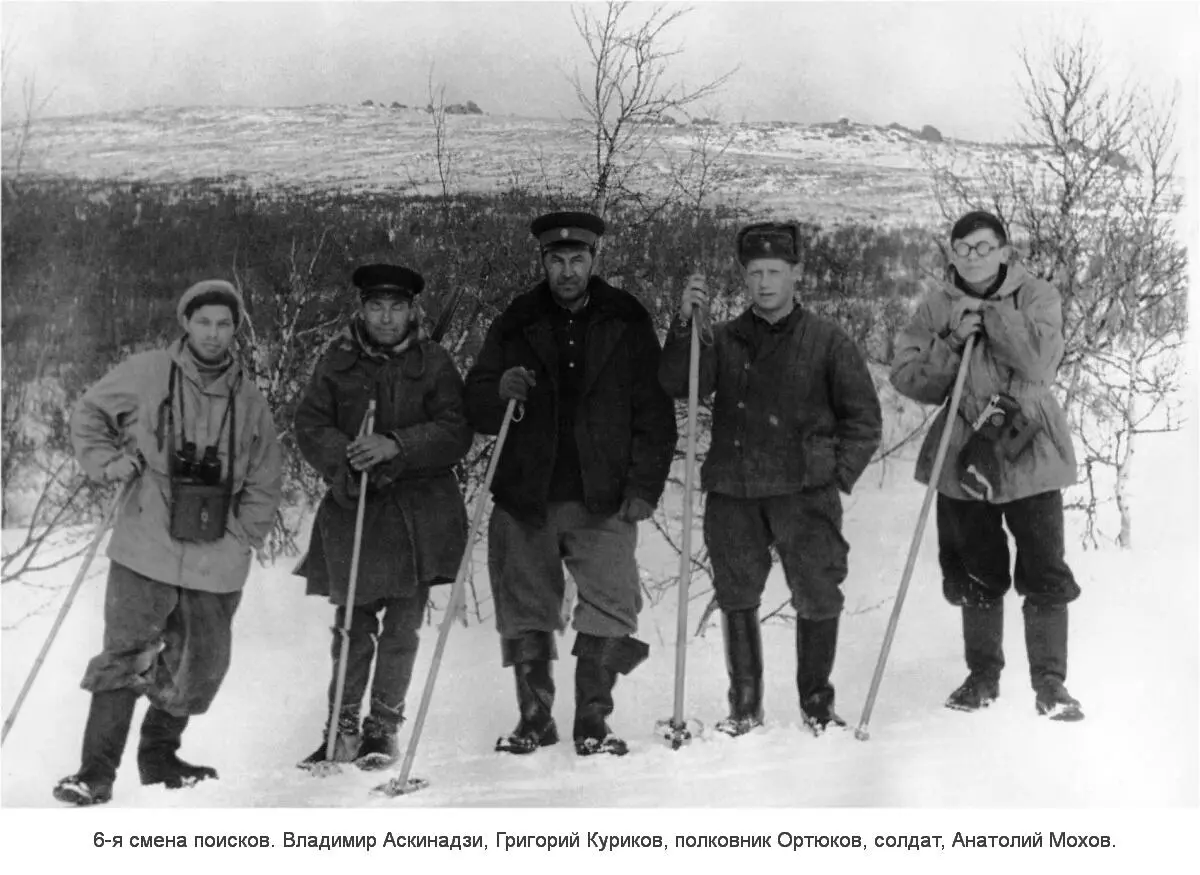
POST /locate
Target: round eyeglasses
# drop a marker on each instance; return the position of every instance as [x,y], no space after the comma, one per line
[983,248]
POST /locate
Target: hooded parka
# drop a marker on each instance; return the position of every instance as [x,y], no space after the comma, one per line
[129,401]
[1019,355]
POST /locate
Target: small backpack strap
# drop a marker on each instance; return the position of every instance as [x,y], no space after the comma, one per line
[164,431]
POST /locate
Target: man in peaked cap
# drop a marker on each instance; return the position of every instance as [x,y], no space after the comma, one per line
[584,465]
[414,529]
[172,592]
[567,227]
[384,280]
[795,420]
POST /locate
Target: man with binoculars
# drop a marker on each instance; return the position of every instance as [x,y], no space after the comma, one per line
[194,441]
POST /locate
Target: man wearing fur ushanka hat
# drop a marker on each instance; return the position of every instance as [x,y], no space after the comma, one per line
[795,419]
[194,442]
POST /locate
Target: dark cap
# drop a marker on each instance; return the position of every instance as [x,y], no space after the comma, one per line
[769,240]
[388,279]
[575,228]
[973,221]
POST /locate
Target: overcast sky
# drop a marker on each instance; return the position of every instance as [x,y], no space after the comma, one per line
[953,65]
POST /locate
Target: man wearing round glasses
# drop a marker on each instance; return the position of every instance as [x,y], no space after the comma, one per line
[1010,457]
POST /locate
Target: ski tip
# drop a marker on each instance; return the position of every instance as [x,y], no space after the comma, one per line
[396,787]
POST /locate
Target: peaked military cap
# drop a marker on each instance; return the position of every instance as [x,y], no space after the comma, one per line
[388,279]
[568,227]
[769,240]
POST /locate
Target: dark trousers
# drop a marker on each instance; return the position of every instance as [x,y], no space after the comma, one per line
[974,555]
[804,527]
[391,642]
[170,643]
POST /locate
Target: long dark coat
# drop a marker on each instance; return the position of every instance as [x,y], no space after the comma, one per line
[415,525]
[624,422]
[800,414]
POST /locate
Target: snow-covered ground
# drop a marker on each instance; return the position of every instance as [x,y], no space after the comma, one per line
[1133,665]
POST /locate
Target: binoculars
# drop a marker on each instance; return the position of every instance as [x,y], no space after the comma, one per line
[206,470]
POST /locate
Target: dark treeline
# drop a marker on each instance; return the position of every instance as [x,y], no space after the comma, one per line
[92,271]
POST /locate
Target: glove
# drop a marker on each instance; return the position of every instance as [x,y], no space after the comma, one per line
[123,467]
[634,510]
[966,319]
[979,468]
[516,383]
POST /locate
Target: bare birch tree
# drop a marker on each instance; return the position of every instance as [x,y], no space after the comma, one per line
[625,95]
[18,128]
[444,158]
[696,174]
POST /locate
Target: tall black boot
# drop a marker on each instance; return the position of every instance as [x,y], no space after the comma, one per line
[598,663]
[162,733]
[983,647]
[816,647]
[531,655]
[104,738]
[1046,645]
[744,662]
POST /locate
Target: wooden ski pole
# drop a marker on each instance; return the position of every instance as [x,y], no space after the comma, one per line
[88,556]
[939,459]
[677,732]
[368,426]
[401,784]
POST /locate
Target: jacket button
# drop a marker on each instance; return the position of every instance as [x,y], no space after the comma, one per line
[737,443]
[741,405]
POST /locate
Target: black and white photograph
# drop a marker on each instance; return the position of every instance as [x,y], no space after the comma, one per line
[600,406]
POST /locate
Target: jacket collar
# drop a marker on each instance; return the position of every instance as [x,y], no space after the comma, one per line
[1012,277]
[532,313]
[601,298]
[356,332]
[743,325]
[351,344]
[183,358]
[604,302]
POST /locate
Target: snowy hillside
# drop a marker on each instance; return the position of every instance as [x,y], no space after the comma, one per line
[824,173]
